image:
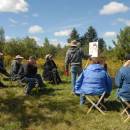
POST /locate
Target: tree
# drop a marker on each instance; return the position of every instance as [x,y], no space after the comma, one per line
[90,35]
[46,42]
[122,46]
[102,45]
[48,48]
[2,38]
[73,36]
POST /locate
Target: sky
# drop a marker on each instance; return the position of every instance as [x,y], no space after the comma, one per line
[56,18]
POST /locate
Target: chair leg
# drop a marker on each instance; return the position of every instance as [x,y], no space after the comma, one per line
[94,105]
[126,119]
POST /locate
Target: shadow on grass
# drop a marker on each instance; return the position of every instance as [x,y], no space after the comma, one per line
[113,105]
[18,110]
[27,115]
[33,111]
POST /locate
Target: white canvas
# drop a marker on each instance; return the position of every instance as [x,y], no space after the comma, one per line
[93,49]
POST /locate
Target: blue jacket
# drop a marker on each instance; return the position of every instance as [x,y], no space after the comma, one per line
[94,80]
[122,81]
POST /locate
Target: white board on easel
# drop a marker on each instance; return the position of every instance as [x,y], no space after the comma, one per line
[93,49]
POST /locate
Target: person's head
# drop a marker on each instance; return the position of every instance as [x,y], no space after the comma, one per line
[127,60]
[32,60]
[127,57]
[73,43]
[19,58]
[51,57]
[95,60]
[47,57]
[1,55]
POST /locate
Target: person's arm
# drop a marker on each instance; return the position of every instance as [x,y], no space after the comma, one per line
[85,56]
[119,79]
[14,67]
[21,72]
[3,70]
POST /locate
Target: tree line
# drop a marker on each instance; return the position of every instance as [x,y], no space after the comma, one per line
[28,46]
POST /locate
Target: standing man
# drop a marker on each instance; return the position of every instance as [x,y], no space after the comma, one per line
[74,58]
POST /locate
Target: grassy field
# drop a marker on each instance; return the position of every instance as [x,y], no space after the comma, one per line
[56,109]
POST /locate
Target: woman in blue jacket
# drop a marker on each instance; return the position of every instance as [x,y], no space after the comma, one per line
[122,81]
[94,80]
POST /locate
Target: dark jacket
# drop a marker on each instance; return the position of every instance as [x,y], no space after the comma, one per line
[48,67]
[2,68]
[74,56]
[1,65]
[28,70]
[122,81]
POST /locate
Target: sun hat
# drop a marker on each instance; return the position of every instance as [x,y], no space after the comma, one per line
[1,54]
[47,56]
[18,57]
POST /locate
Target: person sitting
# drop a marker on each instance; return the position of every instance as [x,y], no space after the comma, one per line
[28,74]
[2,69]
[94,80]
[122,81]
[50,72]
[15,67]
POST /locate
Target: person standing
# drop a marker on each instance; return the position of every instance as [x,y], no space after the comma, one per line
[73,58]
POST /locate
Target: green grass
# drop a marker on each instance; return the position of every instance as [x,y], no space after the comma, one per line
[57,109]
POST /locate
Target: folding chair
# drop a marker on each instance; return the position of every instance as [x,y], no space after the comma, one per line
[97,103]
[125,111]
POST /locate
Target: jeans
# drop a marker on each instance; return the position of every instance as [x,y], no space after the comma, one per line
[82,99]
[31,82]
[39,80]
[75,71]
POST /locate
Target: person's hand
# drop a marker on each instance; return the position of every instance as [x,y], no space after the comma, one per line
[127,63]
[66,72]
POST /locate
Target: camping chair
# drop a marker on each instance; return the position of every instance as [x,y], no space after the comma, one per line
[97,103]
[125,111]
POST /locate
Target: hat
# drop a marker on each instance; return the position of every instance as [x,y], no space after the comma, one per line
[48,56]
[74,43]
[1,54]
[127,57]
[18,57]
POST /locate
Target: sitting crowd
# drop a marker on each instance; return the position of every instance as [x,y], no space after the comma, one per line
[93,80]
[27,74]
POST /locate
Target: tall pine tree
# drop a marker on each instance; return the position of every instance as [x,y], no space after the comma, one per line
[73,36]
